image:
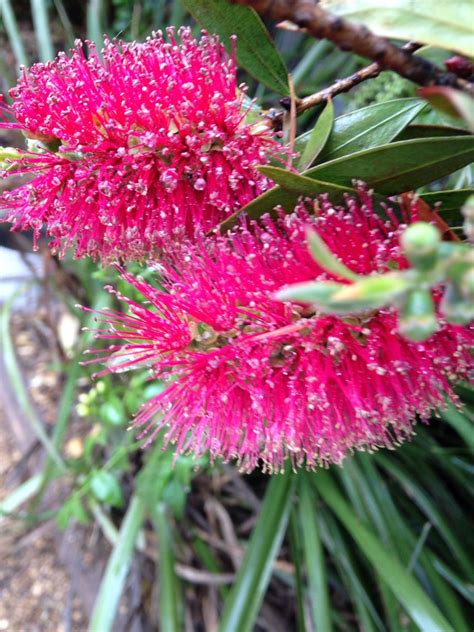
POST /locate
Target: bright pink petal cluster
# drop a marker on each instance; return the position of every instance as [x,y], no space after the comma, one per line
[138,147]
[259,381]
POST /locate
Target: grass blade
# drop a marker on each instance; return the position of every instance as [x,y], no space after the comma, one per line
[39,12]
[314,556]
[407,590]
[13,33]
[16,380]
[168,582]
[242,606]
[117,568]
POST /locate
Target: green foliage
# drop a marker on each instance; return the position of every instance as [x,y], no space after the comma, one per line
[379,543]
[443,24]
[255,50]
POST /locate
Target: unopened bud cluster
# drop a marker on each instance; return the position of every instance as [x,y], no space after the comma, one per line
[412,291]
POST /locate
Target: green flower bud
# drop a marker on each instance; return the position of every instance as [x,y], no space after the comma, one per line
[417,318]
[455,308]
[420,243]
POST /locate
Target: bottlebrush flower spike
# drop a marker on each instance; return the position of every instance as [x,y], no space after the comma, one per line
[135,150]
[259,381]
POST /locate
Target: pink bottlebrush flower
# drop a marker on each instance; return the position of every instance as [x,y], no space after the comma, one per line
[137,149]
[259,381]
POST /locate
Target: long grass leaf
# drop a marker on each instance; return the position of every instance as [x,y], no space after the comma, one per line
[169,592]
[407,590]
[39,11]
[13,32]
[314,556]
[118,565]
[244,601]
[18,385]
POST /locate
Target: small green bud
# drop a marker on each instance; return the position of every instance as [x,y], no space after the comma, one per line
[455,308]
[420,243]
[417,318]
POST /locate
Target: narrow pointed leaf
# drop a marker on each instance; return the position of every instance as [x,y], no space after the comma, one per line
[371,126]
[408,591]
[314,557]
[326,259]
[255,50]
[242,606]
[400,166]
[116,571]
[317,138]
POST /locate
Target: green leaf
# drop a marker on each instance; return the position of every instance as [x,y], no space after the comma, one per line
[244,601]
[168,582]
[416,130]
[388,169]
[451,203]
[314,556]
[371,126]
[317,137]
[118,565]
[106,488]
[400,166]
[255,50]
[407,590]
[301,185]
[443,24]
[326,259]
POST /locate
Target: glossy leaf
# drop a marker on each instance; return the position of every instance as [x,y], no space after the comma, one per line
[255,50]
[317,138]
[371,126]
[301,185]
[416,130]
[242,606]
[443,24]
[407,590]
[400,166]
[388,169]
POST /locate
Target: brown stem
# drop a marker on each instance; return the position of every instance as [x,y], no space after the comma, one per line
[345,84]
[308,15]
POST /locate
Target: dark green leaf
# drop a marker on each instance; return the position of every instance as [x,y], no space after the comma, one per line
[301,185]
[415,131]
[400,166]
[368,127]
[314,556]
[255,50]
[317,138]
[421,609]
[242,606]
[451,203]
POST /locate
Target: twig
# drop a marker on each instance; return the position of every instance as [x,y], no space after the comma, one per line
[308,15]
[347,83]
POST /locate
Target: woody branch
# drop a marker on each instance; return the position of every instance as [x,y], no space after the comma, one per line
[308,15]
